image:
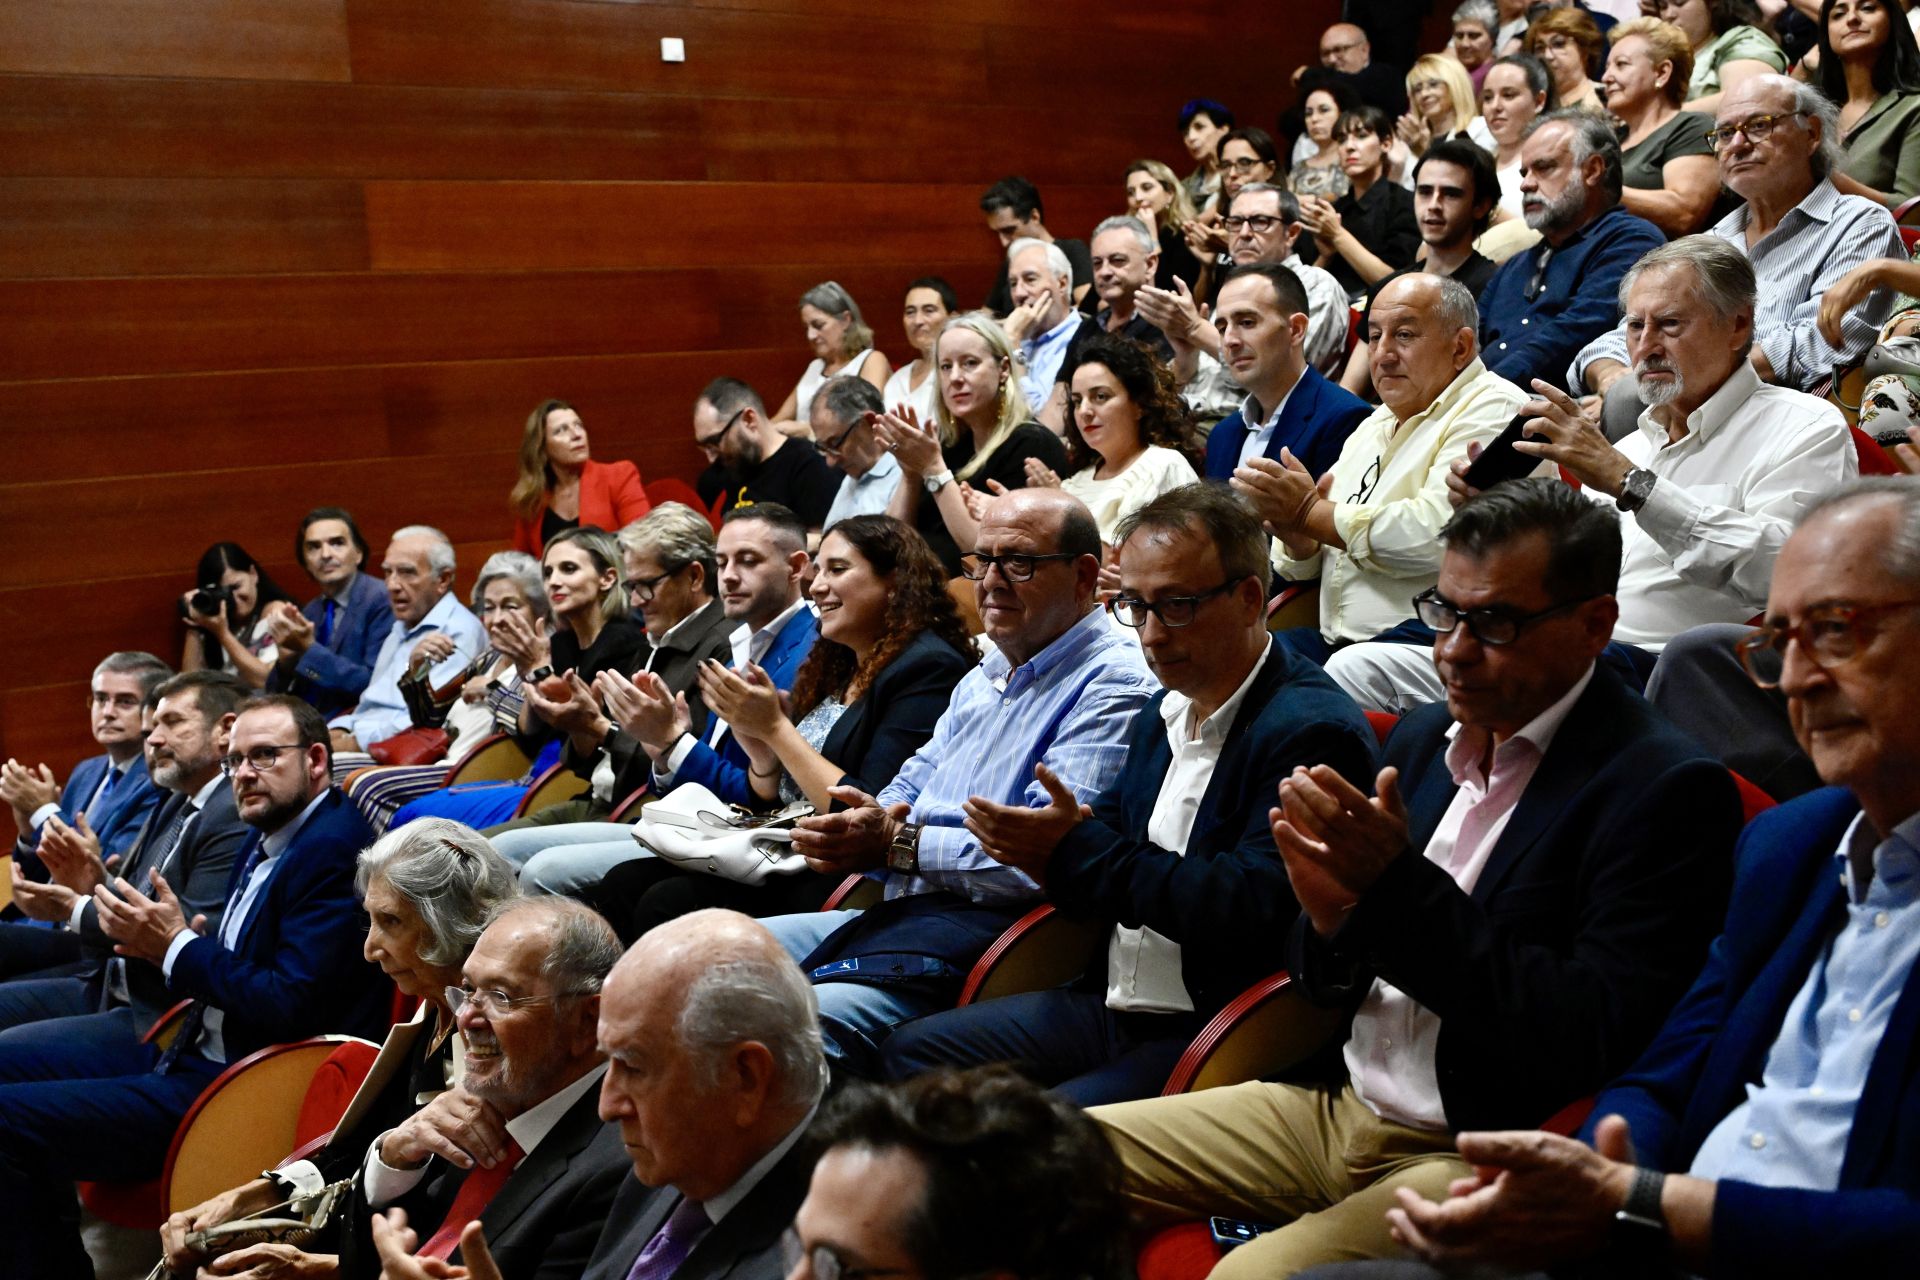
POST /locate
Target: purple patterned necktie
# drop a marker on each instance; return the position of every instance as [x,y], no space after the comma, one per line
[671,1243]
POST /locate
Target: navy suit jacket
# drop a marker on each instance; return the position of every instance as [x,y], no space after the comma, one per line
[1787,907]
[1227,901]
[126,809]
[331,676]
[723,770]
[1592,914]
[296,970]
[1314,425]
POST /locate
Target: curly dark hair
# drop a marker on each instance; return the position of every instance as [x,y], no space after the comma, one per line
[997,1150]
[917,602]
[1164,419]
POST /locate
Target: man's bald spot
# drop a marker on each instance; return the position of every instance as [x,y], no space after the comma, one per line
[1049,507]
[1767,91]
[1419,291]
[685,945]
[1343,33]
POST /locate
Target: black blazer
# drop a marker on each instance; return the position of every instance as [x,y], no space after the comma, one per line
[1227,901]
[1590,919]
[543,1221]
[744,1245]
[896,715]
[708,634]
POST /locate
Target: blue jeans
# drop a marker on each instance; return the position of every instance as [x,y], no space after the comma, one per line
[855,1017]
[566,857]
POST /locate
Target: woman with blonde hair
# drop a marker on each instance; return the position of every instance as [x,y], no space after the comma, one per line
[1668,171]
[560,487]
[1441,104]
[842,347]
[1158,198]
[981,436]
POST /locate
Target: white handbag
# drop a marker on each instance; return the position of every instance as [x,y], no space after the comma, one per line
[693,828]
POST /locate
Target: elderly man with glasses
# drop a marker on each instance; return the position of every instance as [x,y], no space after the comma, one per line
[1046,713]
[1165,853]
[85,1098]
[1770,1129]
[1508,918]
[842,417]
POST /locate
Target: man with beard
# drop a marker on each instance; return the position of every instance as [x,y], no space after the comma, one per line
[1543,305]
[730,425]
[1713,476]
[518,1144]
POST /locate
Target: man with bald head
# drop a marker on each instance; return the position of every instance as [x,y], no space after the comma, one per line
[1044,716]
[1777,142]
[1346,58]
[714,1072]
[1369,528]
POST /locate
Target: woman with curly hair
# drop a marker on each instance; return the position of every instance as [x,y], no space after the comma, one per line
[1126,432]
[890,651]
[560,487]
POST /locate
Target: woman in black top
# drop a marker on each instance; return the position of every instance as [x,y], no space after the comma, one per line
[980,437]
[1370,232]
[592,628]
[1158,199]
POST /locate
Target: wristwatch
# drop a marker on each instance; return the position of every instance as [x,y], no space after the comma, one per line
[1640,1224]
[1635,489]
[903,855]
[935,483]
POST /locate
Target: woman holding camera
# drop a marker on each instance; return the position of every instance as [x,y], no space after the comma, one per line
[225,629]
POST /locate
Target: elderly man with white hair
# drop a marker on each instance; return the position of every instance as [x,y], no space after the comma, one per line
[1043,323]
[428,617]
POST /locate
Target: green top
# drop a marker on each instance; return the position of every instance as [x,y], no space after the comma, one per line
[1643,165]
[1731,45]
[1883,151]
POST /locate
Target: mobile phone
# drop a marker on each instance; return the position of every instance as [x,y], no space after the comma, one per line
[1499,460]
[1231,1233]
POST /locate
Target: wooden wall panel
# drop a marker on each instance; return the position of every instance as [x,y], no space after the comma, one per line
[261,254]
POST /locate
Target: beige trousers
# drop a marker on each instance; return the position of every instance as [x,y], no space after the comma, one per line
[1325,1166]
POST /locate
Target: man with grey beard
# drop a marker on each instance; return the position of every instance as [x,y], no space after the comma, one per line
[1714,474]
[1543,305]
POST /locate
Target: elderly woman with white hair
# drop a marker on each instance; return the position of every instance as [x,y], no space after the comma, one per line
[429,889]
[842,347]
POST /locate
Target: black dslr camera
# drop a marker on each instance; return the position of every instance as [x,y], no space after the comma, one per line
[207,600]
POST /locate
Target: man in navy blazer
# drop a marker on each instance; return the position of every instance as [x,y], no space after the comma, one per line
[84,1099]
[1169,841]
[1773,1128]
[1508,919]
[1263,311]
[327,648]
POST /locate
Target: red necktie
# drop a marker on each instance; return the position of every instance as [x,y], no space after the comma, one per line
[474,1194]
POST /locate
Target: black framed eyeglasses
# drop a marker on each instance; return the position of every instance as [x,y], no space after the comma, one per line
[1757,129]
[259,759]
[1015,567]
[641,590]
[1368,480]
[1174,611]
[834,445]
[824,1263]
[711,444]
[1493,625]
[1830,636]
[1258,223]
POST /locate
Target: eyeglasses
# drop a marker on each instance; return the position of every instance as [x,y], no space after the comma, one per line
[491,1002]
[1367,482]
[1490,626]
[1244,164]
[641,590]
[834,445]
[1329,50]
[1757,130]
[823,1262]
[711,444]
[1174,611]
[260,758]
[1015,568]
[1830,636]
[1259,223]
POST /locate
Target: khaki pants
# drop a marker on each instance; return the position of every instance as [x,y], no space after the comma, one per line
[1325,1167]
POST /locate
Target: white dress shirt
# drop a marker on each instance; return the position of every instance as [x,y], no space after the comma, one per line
[1143,967]
[1390,1050]
[1702,548]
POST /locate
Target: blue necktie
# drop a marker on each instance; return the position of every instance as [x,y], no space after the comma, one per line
[326,622]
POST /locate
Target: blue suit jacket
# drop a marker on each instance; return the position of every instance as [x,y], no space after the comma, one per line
[1787,906]
[1317,419]
[1105,868]
[723,771]
[134,797]
[331,676]
[296,970]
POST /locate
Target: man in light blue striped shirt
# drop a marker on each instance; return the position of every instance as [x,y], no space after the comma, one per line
[1059,689]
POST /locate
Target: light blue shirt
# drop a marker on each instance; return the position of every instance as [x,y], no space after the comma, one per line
[1792,1130]
[1071,705]
[1044,355]
[383,711]
[866,495]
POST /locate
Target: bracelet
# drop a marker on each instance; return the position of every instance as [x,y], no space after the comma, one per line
[772,773]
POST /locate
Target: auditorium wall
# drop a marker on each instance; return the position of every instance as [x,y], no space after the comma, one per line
[257,255]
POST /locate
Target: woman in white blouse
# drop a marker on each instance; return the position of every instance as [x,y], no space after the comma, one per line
[930,300]
[842,347]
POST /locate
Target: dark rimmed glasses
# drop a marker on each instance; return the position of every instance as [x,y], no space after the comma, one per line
[1494,625]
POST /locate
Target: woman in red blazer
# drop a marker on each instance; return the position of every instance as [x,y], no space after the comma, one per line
[560,486]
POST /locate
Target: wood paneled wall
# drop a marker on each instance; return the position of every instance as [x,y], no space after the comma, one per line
[257,255]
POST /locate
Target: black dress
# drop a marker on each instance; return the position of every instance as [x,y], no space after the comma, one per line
[1008,465]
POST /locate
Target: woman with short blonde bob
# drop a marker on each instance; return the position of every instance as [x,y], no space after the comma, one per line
[560,487]
[981,437]
[842,347]
[1441,104]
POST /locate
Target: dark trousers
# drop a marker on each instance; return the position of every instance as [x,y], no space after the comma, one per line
[644,892]
[1700,685]
[31,949]
[80,1101]
[1066,1038]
